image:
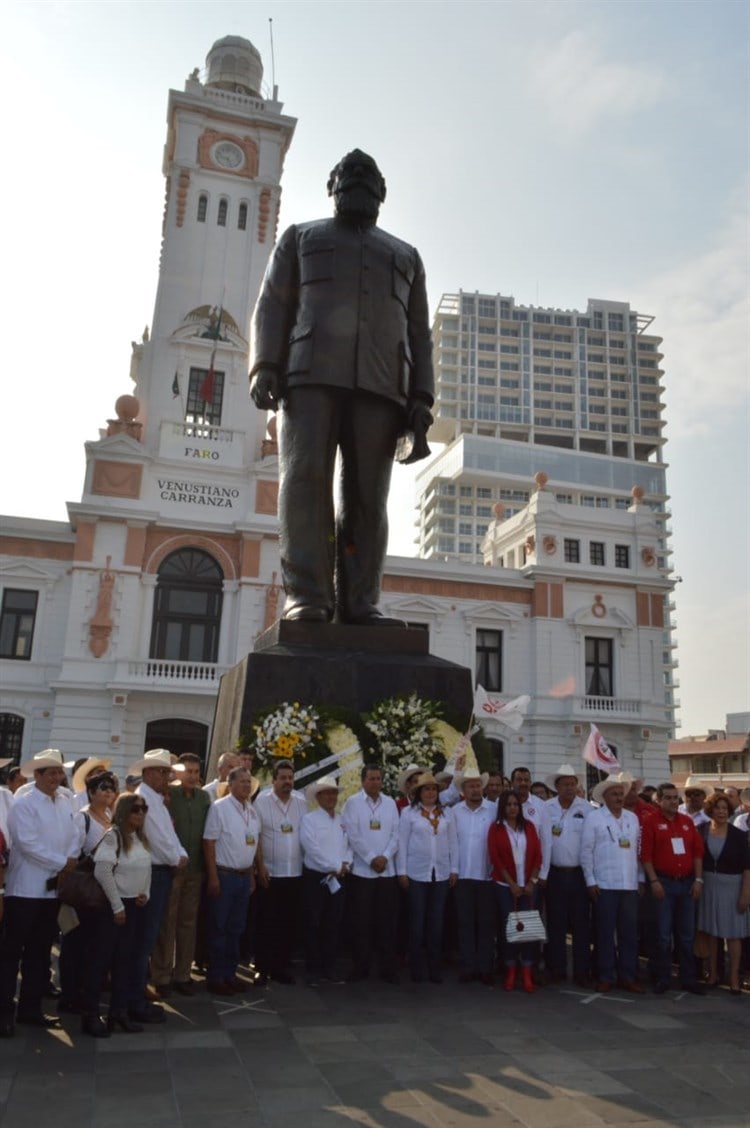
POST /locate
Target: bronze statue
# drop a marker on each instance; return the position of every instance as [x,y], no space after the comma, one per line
[342,346]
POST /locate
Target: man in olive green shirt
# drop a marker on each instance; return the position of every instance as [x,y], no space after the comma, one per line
[173,956]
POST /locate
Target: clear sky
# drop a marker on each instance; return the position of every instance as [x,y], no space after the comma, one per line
[554,151]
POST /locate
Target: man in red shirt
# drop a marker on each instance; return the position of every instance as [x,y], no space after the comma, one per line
[672,857]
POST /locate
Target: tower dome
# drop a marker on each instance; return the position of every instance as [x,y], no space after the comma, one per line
[234,64]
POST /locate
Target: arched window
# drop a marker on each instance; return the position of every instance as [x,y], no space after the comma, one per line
[221,218]
[242,217]
[202,207]
[187,607]
[11,737]
[179,736]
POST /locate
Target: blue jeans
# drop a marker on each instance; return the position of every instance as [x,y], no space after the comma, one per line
[227,917]
[675,913]
[154,910]
[426,915]
[526,954]
[616,913]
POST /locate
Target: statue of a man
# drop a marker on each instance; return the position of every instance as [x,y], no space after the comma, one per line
[342,346]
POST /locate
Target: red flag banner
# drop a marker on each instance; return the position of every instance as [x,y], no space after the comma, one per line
[597,752]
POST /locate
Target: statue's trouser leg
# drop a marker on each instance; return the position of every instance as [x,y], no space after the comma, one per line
[308,435]
[370,427]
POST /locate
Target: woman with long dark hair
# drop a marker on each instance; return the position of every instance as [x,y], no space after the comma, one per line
[516,858]
[123,869]
[724,907]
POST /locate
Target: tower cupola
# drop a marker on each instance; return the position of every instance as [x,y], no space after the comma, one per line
[234,64]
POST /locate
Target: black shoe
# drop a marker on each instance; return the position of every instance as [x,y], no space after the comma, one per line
[693,988]
[94,1025]
[43,1021]
[151,1015]
[124,1022]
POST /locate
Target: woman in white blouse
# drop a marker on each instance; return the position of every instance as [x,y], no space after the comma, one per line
[123,869]
[427,866]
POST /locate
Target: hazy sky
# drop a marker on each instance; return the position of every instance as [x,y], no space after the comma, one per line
[555,151]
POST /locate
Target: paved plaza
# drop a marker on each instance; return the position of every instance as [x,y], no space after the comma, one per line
[373,1054]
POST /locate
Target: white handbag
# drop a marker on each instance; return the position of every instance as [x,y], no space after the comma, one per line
[525,926]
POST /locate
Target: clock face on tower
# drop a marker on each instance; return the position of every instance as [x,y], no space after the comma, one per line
[228,155]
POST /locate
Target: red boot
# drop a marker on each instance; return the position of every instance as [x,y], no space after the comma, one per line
[527,981]
[510,978]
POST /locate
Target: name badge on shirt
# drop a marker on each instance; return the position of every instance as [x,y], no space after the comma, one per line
[678,846]
[556,831]
[623,842]
[287,828]
[374,824]
[249,839]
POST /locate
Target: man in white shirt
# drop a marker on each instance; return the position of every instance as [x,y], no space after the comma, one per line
[224,765]
[474,891]
[371,822]
[46,844]
[280,809]
[231,838]
[327,858]
[568,904]
[696,794]
[609,857]
[167,855]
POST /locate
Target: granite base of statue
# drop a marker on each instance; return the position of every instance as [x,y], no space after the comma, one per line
[335,665]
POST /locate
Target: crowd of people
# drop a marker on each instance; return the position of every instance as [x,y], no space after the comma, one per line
[150,886]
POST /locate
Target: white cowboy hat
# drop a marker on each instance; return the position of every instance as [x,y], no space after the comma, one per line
[550,781]
[622,779]
[692,783]
[409,771]
[156,758]
[460,778]
[325,783]
[78,783]
[48,758]
[4,762]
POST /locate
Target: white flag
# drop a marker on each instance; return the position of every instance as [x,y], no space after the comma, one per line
[599,753]
[509,713]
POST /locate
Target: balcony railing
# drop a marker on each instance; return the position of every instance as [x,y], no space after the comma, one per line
[164,671]
[609,705]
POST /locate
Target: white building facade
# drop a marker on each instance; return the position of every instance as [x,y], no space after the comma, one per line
[116,626]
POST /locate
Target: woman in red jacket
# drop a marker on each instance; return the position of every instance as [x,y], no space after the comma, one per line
[516,858]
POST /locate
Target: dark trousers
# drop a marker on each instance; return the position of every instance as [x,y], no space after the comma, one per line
[475,911]
[374,903]
[278,913]
[568,910]
[30,927]
[616,915]
[154,911]
[426,916]
[323,914]
[227,916]
[675,916]
[79,957]
[314,423]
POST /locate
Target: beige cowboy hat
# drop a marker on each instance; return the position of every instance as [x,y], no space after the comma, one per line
[78,783]
[460,778]
[692,783]
[409,771]
[424,780]
[622,779]
[157,758]
[5,761]
[48,758]
[325,783]
[550,781]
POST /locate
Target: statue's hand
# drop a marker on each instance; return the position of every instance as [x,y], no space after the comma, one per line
[264,389]
[419,417]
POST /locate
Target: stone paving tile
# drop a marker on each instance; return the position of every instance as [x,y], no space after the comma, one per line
[139,1108]
[197,1039]
[330,1052]
[141,1061]
[147,1042]
[630,1108]
[295,1100]
[643,1020]
[373,1094]
[389,1048]
[319,1034]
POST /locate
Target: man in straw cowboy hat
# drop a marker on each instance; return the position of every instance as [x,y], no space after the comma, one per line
[609,857]
[696,794]
[327,858]
[474,892]
[168,855]
[568,904]
[46,844]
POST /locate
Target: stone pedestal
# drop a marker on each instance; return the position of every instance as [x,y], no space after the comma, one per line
[336,666]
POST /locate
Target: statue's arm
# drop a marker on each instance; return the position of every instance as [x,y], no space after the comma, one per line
[274,318]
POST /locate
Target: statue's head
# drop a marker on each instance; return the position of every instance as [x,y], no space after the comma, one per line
[357,186]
